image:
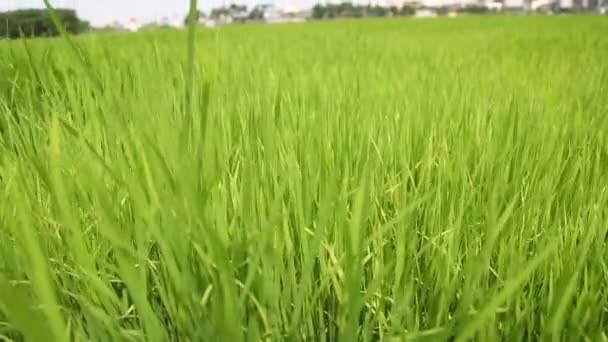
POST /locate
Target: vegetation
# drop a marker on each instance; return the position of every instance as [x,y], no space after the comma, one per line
[348,10]
[38,23]
[377,180]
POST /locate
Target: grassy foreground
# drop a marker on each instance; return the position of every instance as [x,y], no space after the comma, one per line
[387,180]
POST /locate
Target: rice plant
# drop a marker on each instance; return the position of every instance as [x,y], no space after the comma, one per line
[370,180]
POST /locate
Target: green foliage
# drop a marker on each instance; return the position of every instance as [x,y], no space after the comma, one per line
[474,9]
[319,11]
[342,10]
[354,180]
[348,10]
[407,11]
[38,23]
[232,10]
[256,14]
[377,11]
[443,10]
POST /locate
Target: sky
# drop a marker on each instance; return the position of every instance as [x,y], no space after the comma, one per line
[103,12]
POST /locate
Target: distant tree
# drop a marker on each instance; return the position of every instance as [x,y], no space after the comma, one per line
[377,11]
[319,11]
[407,10]
[474,9]
[256,14]
[238,8]
[38,23]
[219,12]
[443,10]
[345,9]
[331,11]
[348,10]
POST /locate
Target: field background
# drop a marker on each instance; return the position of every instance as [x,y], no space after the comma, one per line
[375,180]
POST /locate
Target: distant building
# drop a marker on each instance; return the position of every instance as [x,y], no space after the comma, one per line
[425,13]
[519,5]
[117,25]
[394,3]
[132,24]
[447,3]
[586,5]
[176,20]
[273,14]
[494,5]
[544,5]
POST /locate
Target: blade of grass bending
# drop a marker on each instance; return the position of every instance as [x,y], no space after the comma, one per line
[80,53]
[189,77]
[470,328]
[16,302]
[39,274]
[192,16]
[567,290]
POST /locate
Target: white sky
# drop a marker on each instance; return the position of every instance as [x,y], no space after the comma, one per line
[102,12]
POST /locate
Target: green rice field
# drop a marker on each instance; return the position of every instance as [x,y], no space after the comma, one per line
[350,180]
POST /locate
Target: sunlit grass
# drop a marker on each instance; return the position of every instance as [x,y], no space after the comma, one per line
[357,180]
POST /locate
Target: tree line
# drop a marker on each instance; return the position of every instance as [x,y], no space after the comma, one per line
[38,23]
[348,10]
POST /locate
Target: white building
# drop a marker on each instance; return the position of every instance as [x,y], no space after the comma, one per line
[132,24]
[515,4]
[447,3]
